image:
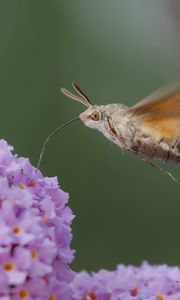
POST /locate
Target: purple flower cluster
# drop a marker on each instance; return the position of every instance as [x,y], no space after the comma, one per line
[128,283]
[35,254]
[35,232]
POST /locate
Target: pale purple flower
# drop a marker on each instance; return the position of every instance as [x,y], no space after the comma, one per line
[35,232]
[31,289]
[35,253]
[59,290]
[128,283]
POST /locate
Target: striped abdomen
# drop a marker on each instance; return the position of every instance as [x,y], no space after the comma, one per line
[145,146]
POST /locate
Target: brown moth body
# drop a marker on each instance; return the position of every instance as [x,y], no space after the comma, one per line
[149,147]
[150,129]
[123,129]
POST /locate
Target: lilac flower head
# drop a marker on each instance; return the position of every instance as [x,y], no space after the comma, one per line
[128,283]
[35,232]
[35,253]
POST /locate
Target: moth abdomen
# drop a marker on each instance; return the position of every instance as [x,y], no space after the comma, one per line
[146,147]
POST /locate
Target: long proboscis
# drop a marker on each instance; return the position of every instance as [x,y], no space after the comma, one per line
[50,136]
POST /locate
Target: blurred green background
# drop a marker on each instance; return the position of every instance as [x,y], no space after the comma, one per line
[118,51]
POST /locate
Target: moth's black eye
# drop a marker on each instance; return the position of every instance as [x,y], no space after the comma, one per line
[95,116]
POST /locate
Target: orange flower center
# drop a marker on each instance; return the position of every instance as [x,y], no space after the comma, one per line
[22,186]
[159,297]
[33,253]
[8,266]
[16,229]
[52,297]
[23,294]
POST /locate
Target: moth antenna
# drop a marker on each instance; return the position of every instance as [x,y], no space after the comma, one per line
[81,93]
[73,97]
[159,168]
[50,136]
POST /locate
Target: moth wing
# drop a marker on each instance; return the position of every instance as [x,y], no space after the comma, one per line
[158,115]
[159,94]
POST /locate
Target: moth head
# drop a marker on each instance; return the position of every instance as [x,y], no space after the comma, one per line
[93,115]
